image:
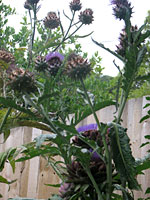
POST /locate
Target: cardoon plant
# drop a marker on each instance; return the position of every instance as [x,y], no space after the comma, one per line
[96,159]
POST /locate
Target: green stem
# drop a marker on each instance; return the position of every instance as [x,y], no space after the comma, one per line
[61,26]
[122,105]
[109,177]
[70,25]
[33,33]
[124,97]
[30,18]
[66,37]
[4,84]
[74,31]
[94,183]
[33,27]
[108,165]
[90,104]
[108,157]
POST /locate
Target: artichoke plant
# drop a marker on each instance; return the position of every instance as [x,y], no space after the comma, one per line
[96,159]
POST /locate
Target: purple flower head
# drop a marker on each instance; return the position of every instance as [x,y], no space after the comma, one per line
[122,9]
[54,55]
[65,187]
[95,157]
[87,128]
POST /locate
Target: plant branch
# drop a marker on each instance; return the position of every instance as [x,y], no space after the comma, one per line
[74,31]
[66,37]
[61,26]
[75,23]
[117,67]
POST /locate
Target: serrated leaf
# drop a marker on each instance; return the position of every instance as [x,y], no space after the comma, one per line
[140,56]
[122,156]
[138,33]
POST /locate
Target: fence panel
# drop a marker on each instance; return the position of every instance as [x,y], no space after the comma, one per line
[33,174]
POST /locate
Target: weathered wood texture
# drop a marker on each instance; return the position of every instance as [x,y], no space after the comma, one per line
[32,175]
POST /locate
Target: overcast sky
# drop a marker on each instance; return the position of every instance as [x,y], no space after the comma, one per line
[106,28]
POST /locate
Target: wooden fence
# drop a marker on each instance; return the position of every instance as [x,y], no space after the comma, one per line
[33,174]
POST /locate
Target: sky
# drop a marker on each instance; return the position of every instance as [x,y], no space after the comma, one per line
[106,28]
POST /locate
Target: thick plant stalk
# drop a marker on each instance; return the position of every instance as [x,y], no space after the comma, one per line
[94,184]
[108,157]
[124,97]
[33,27]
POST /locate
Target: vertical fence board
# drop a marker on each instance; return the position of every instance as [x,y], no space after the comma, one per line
[33,170]
[27,137]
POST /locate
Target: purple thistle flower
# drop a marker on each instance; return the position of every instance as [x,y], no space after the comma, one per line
[87,128]
[122,8]
[64,188]
[54,55]
[95,157]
